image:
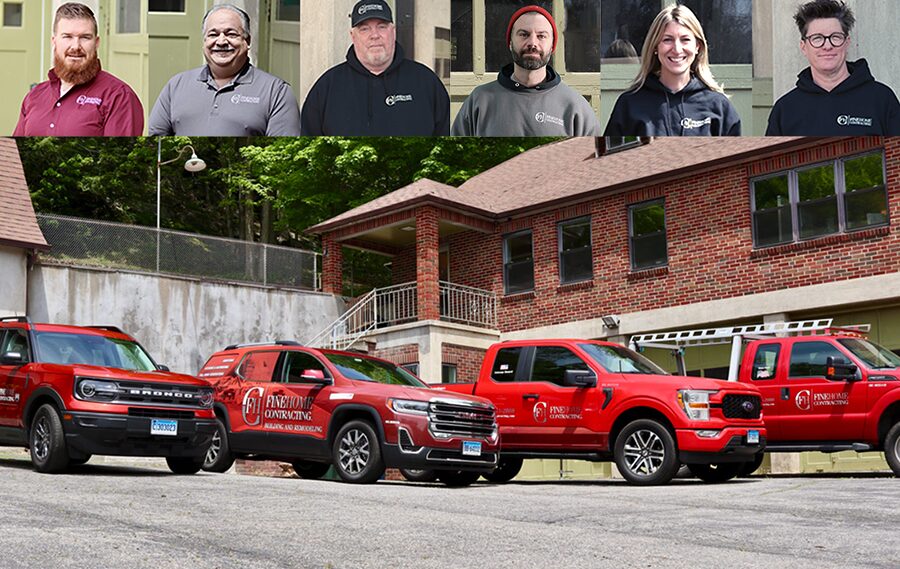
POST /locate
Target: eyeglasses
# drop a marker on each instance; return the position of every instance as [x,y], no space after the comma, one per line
[836,39]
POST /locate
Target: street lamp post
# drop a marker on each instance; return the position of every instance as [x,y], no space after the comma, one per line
[194,164]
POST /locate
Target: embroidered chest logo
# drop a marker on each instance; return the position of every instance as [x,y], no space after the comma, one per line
[690,123]
[847,120]
[238,99]
[85,100]
[543,117]
[392,100]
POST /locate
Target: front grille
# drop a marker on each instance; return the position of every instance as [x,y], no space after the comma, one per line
[459,419]
[159,394]
[741,406]
[159,413]
[458,456]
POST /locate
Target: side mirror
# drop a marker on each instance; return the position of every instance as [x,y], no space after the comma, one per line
[13,359]
[315,376]
[161,367]
[579,378]
[838,369]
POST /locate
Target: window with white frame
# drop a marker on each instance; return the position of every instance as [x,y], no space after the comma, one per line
[615,143]
[842,195]
[518,262]
[575,261]
[647,235]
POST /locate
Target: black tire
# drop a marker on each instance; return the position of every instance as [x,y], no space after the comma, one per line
[506,470]
[415,475]
[645,453]
[356,453]
[79,461]
[310,470]
[457,478]
[218,457]
[47,441]
[750,467]
[716,473]
[185,465]
[892,448]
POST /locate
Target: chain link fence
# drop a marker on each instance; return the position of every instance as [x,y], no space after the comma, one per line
[119,246]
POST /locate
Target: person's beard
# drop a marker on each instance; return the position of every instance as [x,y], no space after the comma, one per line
[530,63]
[77,73]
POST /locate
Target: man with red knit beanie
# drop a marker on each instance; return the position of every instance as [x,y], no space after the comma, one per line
[528,98]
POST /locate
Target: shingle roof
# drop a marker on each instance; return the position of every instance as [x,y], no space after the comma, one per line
[566,170]
[19,226]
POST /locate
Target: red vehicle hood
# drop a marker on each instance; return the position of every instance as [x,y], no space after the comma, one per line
[422,393]
[688,382]
[101,372]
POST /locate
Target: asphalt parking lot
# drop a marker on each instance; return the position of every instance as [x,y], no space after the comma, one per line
[118,515]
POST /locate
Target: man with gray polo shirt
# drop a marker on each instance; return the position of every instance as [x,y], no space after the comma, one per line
[228,96]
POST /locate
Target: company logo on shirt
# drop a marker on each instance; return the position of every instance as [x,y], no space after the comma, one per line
[690,123]
[847,120]
[85,100]
[369,7]
[543,117]
[391,100]
[238,99]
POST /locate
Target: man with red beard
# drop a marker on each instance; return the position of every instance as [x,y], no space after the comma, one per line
[79,99]
[528,98]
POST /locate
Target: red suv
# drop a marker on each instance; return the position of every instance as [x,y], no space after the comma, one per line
[67,392]
[317,408]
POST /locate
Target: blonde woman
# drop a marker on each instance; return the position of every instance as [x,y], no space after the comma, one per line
[675,93]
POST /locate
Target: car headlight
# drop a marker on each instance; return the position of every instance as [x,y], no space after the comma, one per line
[408,406]
[695,403]
[96,390]
[206,398]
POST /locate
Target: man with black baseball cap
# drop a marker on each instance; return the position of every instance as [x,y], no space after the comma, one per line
[376,92]
[528,98]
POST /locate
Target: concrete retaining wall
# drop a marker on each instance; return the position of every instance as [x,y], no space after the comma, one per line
[179,321]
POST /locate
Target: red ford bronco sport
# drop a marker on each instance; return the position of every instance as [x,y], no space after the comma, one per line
[317,408]
[67,392]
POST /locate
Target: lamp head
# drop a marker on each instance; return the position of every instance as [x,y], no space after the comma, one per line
[194,164]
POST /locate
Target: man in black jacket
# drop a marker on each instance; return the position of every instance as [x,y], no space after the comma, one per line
[833,97]
[376,92]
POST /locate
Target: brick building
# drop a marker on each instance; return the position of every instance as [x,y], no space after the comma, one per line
[578,239]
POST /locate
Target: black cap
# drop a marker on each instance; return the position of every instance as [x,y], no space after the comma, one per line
[367,9]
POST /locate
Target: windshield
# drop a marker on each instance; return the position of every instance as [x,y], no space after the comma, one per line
[367,369]
[873,355]
[63,348]
[617,359]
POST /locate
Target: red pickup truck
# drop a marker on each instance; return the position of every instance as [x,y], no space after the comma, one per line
[321,408]
[830,391]
[599,401]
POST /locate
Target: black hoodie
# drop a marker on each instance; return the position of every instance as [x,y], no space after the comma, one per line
[857,106]
[407,99]
[654,110]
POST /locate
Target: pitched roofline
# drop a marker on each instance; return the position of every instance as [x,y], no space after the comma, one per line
[444,203]
[25,245]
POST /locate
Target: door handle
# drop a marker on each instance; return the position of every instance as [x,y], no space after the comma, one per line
[528,396]
[785,393]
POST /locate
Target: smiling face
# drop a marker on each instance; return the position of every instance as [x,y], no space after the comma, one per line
[75,50]
[531,41]
[826,60]
[225,44]
[676,50]
[374,44]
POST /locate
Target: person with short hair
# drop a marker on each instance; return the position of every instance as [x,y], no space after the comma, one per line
[376,91]
[79,98]
[228,96]
[833,96]
[674,93]
[528,98]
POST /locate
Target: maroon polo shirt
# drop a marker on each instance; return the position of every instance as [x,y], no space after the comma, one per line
[104,106]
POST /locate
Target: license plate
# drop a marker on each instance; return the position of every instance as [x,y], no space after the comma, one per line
[471,448]
[752,437]
[166,427]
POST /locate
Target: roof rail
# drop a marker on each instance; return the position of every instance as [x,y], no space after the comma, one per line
[109,328]
[724,335]
[25,319]
[275,343]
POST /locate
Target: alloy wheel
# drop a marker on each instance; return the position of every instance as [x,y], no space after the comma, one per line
[40,439]
[214,448]
[354,451]
[644,452]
